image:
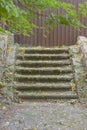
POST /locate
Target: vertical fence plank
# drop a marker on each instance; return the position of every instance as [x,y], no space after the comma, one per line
[60,35]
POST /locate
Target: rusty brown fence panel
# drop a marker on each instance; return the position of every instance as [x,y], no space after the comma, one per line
[60,35]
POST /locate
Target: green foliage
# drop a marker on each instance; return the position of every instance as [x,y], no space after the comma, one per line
[83,9]
[16,15]
[14,18]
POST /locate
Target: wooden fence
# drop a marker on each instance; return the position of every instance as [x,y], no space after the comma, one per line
[60,35]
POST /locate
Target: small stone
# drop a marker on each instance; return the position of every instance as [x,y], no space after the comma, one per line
[25,129]
[1,84]
[4,108]
[7,123]
[34,128]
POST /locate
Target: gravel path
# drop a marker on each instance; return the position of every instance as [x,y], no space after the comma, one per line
[44,116]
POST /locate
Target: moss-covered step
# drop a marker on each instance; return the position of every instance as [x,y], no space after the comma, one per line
[43,50]
[47,95]
[43,78]
[44,73]
[43,56]
[41,63]
[44,70]
[43,86]
[86,80]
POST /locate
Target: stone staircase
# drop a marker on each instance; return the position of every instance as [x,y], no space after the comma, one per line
[44,73]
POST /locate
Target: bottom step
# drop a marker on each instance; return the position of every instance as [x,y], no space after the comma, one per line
[86,80]
[48,95]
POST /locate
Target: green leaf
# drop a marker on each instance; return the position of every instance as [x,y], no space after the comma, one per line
[2,30]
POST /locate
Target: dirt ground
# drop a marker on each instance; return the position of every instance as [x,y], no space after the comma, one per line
[44,116]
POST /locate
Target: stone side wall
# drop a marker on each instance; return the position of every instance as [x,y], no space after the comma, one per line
[5,54]
[82,41]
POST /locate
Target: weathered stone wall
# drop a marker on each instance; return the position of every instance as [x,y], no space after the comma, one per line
[82,41]
[6,53]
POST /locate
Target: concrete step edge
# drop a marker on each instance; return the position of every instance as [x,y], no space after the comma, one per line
[43,55]
[43,70]
[42,87]
[43,78]
[42,49]
[44,62]
[39,76]
[48,95]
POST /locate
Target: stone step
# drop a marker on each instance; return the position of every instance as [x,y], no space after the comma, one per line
[44,73]
[43,86]
[41,78]
[43,50]
[86,80]
[43,56]
[47,95]
[42,63]
[44,70]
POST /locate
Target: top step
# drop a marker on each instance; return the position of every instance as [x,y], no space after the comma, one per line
[43,50]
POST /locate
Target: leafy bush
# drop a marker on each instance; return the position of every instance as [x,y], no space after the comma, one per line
[16,15]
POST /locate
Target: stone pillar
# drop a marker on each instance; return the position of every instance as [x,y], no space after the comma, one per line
[82,41]
[5,40]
